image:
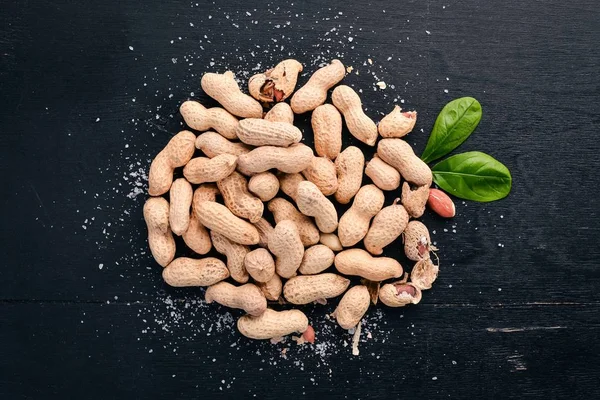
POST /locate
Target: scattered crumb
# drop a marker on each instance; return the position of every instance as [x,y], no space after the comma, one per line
[356,339]
[178,318]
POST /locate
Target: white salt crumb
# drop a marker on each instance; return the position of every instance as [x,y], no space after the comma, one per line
[499,289]
[434,378]
[97,119]
[429,33]
[445,90]
[453,362]
[186,318]
[100,266]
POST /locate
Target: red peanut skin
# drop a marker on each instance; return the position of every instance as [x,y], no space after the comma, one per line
[441,203]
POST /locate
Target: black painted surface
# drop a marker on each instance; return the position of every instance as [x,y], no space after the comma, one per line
[515,312]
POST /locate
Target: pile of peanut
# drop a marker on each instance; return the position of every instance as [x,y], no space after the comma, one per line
[247,162]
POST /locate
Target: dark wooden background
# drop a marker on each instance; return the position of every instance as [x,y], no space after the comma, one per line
[515,312]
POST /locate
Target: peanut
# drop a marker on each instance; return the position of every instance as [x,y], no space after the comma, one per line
[397,123]
[286,245]
[359,124]
[313,203]
[277,83]
[400,155]
[352,307]
[309,335]
[247,297]
[284,210]
[331,240]
[316,260]
[260,132]
[417,242]
[441,203]
[264,185]
[272,324]
[218,218]
[235,254]
[354,224]
[272,288]
[387,226]
[304,289]
[199,118]
[176,153]
[382,174]
[281,112]
[414,200]
[289,184]
[424,273]
[399,294]
[260,265]
[326,123]
[238,199]
[314,92]
[212,144]
[203,169]
[360,263]
[180,197]
[196,237]
[322,172]
[264,228]
[183,272]
[349,165]
[289,160]
[160,237]
[224,89]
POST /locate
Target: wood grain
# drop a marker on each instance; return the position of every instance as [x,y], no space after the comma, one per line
[516,305]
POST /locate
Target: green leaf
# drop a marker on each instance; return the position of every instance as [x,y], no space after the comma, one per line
[473,176]
[457,120]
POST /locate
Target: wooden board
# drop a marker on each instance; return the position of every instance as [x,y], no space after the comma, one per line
[90,94]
